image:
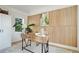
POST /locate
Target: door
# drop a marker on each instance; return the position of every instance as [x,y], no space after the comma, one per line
[5,34]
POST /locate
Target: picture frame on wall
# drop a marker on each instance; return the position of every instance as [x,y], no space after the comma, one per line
[18,25]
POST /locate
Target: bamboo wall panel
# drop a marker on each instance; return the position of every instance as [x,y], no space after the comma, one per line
[63,22]
[35,19]
[62,26]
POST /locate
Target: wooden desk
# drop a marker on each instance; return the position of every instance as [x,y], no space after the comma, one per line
[42,40]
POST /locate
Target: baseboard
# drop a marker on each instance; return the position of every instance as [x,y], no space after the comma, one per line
[65,47]
[16,42]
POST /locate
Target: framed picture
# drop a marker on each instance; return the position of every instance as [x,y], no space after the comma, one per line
[18,24]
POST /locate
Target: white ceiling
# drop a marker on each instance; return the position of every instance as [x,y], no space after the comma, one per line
[27,8]
[30,8]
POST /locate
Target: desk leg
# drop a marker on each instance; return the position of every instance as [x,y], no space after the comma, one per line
[42,48]
[47,47]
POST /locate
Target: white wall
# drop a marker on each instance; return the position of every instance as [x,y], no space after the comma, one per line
[15,13]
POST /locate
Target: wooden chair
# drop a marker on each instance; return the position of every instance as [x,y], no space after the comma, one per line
[27,38]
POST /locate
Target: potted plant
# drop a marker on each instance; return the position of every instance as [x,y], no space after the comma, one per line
[28,29]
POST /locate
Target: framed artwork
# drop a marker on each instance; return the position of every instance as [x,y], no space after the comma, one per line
[44,19]
[18,25]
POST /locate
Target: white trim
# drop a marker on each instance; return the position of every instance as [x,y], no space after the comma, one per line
[65,47]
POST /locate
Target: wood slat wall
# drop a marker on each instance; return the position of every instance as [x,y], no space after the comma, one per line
[62,26]
[35,19]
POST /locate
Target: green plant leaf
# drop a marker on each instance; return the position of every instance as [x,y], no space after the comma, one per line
[46,20]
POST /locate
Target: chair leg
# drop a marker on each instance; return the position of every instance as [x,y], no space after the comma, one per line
[22,44]
[25,42]
[30,42]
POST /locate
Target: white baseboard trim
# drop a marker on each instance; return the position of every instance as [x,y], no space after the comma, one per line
[16,42]
[65,47]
